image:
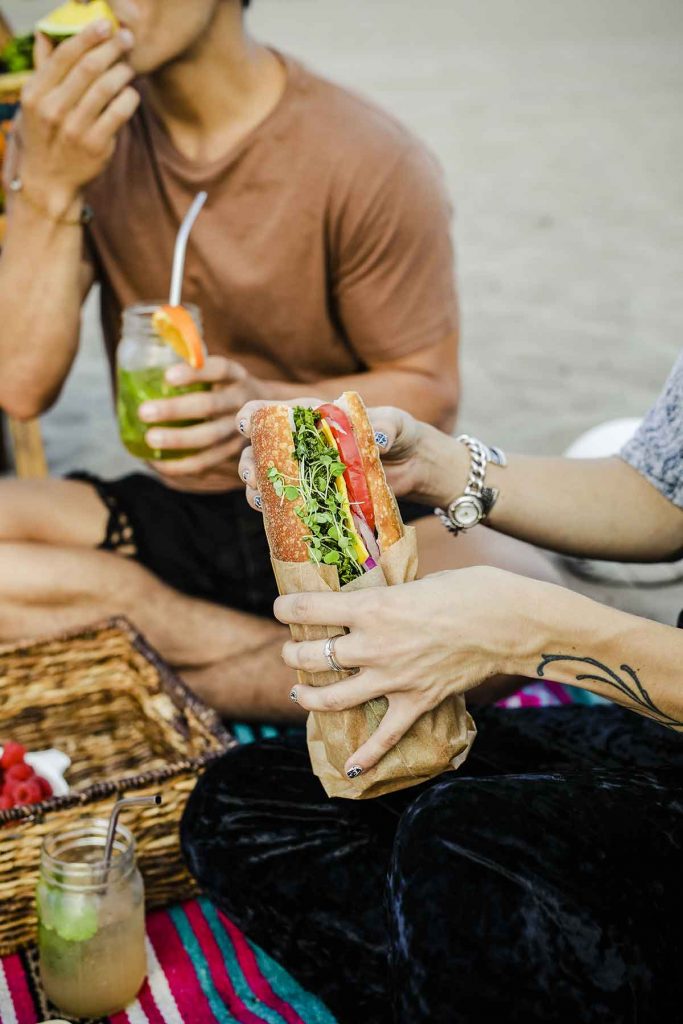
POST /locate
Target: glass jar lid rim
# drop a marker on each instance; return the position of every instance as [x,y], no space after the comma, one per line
[88,829]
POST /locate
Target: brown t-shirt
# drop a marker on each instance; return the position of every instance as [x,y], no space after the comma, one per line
[324,246]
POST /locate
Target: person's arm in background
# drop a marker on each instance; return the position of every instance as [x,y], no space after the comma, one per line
[393,290]
[72,109]
[622,508]
[419,643]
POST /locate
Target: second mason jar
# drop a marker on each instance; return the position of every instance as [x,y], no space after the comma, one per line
[91,922]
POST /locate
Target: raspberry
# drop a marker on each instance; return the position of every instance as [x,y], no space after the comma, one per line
[19,772]
[45,787]
[6,802]
[13,753]
[27,792]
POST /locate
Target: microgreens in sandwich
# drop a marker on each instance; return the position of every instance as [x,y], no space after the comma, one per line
[320,503]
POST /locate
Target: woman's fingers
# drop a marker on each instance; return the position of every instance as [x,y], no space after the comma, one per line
[403,711]
[247,472]
[351,650]
[395,431]
[254,499]
[247,468]
[349,693]
[323,609]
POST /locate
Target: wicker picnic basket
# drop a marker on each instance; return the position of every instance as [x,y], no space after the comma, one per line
[105,698]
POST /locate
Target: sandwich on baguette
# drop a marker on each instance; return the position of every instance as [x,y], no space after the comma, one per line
[324,494]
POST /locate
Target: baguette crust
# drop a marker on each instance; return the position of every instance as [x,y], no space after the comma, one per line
[387,516]
[273,444]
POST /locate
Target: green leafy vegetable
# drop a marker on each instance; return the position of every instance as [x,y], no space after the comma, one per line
[17,55]
[320,503]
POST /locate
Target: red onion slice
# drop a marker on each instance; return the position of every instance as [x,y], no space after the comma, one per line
[367,536]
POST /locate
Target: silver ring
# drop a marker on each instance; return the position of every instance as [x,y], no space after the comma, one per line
[329,655]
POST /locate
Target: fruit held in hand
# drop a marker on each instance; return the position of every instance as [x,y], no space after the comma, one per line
[72,17]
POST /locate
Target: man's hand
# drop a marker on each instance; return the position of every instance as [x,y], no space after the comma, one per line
[72,109]
[216,436]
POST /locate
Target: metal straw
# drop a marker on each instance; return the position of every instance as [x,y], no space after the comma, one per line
[180,247]
[129,801]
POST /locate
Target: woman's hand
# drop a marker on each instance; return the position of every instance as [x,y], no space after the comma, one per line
[215,439]
[415,643]
[421,462]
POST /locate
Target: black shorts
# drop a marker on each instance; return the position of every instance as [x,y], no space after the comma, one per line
[211,546]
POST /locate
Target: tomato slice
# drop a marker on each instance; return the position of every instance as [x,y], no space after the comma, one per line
[356,484]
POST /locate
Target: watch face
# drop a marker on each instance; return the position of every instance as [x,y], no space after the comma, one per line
[466,512]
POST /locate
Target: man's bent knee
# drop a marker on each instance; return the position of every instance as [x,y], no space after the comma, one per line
[52,511]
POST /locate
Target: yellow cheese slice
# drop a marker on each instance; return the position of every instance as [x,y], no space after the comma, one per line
[362,554]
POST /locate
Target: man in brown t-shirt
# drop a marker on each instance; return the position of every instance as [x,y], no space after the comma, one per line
[322,262]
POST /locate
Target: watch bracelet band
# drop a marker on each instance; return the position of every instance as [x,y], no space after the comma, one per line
[481,498]
[16,186]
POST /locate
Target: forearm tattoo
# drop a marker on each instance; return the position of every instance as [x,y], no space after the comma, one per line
[628,684]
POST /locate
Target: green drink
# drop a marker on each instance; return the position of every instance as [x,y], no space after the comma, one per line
[142,361]
[91,923]
[135,387]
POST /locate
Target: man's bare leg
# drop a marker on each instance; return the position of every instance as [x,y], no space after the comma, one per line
[228,657]
[52,579]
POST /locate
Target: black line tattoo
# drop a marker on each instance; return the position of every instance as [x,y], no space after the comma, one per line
[628,685]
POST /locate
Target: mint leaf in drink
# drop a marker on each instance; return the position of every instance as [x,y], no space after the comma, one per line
[72,915]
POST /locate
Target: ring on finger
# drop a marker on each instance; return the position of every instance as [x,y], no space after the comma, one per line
[329,655]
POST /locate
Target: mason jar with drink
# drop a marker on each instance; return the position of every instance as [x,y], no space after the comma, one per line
[91,921]
[142,359]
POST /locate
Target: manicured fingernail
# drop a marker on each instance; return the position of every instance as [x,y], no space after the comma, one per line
[127,38]
[245,475]
[243,426]
[257,502]
[381,439]
[103,28]
[147,411]
[354,772]
[293,696]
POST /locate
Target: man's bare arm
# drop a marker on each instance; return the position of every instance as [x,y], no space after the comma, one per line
[72,110]
[425,383]
[42,284]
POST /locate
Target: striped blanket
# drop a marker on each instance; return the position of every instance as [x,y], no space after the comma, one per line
[202,970]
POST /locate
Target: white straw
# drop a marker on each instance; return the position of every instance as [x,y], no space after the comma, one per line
[180,247]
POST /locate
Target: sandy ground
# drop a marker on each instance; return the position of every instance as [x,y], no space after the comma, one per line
[560,129]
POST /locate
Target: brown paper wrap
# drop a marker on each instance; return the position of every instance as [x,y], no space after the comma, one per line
[438,741]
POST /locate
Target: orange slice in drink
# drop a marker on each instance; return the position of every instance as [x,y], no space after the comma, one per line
[175,326]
